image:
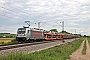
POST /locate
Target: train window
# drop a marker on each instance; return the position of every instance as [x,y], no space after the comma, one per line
[28,31]
[54,36]
[21,30]
[49,36]
[45,35]
[58,36]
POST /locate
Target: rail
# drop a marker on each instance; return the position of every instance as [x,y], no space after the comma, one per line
[22,45]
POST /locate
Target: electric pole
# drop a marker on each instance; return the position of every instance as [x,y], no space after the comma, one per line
[75,31]
[75,34]
[39,25]
[62,25]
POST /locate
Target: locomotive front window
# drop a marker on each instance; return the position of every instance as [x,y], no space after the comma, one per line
[21,31]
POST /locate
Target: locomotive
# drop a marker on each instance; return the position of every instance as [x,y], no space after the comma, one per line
[29,34]
[34,34]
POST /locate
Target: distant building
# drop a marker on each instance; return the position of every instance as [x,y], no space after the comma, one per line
[4,36]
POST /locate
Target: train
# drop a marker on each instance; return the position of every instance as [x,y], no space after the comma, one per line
[25,34]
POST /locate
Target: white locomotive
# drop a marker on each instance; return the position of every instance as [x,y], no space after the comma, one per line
[29,34]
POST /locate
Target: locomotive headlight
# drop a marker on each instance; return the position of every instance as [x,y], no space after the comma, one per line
[24,34]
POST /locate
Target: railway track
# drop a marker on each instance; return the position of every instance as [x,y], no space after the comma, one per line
[22,45]
[31,47]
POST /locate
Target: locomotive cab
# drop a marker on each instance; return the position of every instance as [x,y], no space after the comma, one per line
[22,34]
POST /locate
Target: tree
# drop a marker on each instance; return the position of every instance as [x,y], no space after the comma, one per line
[65,32]
[85,36]
[53,30]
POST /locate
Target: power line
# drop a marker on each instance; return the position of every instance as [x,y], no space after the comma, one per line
[10,17]
[13,14]
[21,10]
[8,4]
[12,11]
[61,25]
[16,8]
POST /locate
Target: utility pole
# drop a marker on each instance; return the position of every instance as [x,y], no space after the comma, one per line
[75,31]
[75,34]
[39,25]
[62,25]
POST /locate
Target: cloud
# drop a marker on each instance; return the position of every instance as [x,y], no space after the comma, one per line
[74,13]
[10,29]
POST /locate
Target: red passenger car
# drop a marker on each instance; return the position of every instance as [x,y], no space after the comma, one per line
[52,36]
[59,37]
[67,36]
[49,36]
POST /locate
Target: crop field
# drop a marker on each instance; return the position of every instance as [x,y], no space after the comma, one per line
[60,52]
[6,40]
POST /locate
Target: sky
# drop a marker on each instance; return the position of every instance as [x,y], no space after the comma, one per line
[50,14]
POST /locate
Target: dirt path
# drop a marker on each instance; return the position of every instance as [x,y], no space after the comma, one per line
[77,55]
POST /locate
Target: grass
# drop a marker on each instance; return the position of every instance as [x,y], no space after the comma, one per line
[84,48]
[60,52]
[88,40]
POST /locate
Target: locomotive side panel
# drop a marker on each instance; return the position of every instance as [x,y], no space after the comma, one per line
[37,35]
[59,37]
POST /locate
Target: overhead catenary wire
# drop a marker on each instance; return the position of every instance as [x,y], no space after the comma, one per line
[8,13]
[14,12]
[7,16]
[10,17]
[25,16]
[15,18]
[11,13]
[19,9]
[16,8]
[8,4]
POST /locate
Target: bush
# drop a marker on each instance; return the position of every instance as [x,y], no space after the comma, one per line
[14,41]
[1,43]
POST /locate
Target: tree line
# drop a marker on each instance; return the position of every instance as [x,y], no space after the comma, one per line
[7,35]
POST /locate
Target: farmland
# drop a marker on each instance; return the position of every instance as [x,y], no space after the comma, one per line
[6,40]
